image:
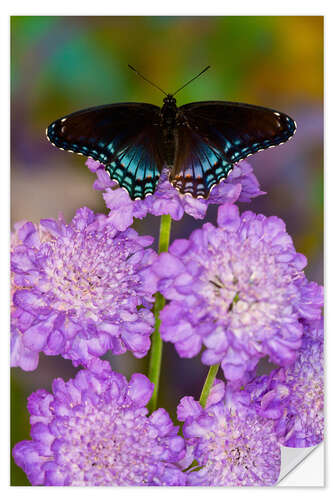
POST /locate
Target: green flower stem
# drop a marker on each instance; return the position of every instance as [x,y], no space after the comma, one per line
[208,384]
[156,342]
[165,228]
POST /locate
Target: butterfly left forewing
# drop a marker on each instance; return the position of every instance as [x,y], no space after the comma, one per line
[123,137]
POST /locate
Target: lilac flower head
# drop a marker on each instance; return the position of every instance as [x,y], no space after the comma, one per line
[94,431]
[239,289]
[232,444]
[241,185]
[80,289]
[294,396]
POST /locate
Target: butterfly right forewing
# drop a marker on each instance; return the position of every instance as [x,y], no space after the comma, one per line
[220,134]
[238,129]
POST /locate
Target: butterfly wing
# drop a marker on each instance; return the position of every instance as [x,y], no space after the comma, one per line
[198,164]
[215,135]
[124,137]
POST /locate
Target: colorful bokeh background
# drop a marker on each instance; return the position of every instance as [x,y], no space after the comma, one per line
[62,64]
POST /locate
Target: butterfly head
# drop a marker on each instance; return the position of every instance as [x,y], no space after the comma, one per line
[169,99]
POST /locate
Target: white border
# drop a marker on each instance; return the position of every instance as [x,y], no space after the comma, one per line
[168,7]
[302,467]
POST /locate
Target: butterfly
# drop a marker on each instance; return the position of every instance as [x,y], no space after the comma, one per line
[199,142]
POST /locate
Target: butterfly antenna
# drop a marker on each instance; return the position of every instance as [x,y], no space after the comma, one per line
[151,83]
[201,72]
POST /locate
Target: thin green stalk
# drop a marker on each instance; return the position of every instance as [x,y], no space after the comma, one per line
[156,342]
[208,384]
[165,229]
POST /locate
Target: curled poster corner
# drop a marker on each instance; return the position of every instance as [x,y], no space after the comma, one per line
[302,466]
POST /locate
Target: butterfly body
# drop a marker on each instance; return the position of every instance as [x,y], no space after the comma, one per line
[168,125]
[199,142]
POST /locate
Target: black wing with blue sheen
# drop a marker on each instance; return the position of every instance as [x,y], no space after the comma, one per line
[123,137]
[198,165]
[215,135]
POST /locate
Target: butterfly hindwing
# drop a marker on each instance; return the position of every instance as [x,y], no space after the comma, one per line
[198,166]
[123,137]
[221,134]
[138,164]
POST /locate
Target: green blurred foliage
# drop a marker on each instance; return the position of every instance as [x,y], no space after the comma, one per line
[19,429]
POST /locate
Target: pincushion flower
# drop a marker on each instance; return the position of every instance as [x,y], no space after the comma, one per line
[239,290]
[94,431]
[232,444]
[294,396]
[80,289]
[241,185]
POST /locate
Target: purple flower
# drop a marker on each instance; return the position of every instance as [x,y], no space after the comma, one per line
[80,289]
[239,289]
[241,185]
[94,431]
[232,444]
[294,397]
[21,355]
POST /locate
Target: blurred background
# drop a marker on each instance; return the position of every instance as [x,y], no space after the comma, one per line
[63,64]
